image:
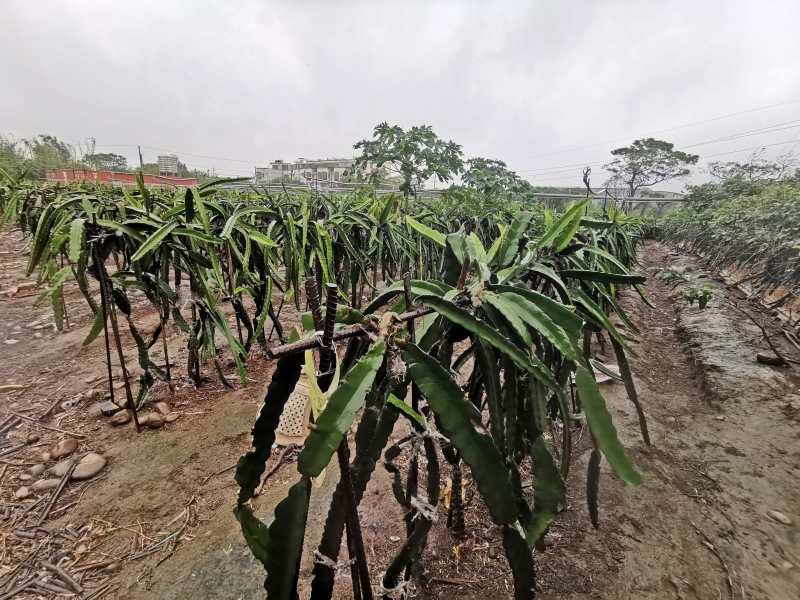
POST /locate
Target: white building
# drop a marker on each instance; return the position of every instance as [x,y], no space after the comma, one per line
[314,172]
[168,165]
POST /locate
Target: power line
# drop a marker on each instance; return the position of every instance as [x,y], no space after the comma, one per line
[583,164]
[210,157]
[745,134]
[762,130]
[789,142]
[702,157]
[550,170]
[745,149]
[222,171]
[744,112]
[182,153]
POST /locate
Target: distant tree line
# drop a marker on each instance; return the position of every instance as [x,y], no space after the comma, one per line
[36,154]
[412,157]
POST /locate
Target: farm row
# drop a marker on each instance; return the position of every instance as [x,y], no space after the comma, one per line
[418,291]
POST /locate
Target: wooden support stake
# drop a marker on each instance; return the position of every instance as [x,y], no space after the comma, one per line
[108,304]
[166,350]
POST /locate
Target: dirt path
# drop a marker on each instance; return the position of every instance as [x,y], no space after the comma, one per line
[725,451]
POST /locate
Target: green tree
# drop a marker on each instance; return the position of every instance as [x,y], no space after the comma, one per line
[755,168]
[12,159]
[491,178]
[47,151]
[647,162]
[198,174]
[106,161]
[148,169]
[414,155]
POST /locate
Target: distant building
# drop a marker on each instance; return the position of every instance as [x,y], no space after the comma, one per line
[168,165]
[320,171]
[276,170]
[329,169]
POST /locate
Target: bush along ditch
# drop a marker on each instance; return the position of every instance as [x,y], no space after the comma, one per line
[749,228]
[525,311]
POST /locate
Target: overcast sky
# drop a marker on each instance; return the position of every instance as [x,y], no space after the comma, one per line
[524,82]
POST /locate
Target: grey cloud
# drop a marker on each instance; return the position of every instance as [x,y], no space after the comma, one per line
[263,80]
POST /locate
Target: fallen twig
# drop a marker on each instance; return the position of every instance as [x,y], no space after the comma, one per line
[452,581]
[708,544]
[65,577]
[55,494]
[47,586]
[65,507]
[143,554]
[13,449]
[161,560]
[25,534]
[94,593]
[274,468]
[155,547]
[34,505]
[775,351]
[98,565]
[80,435]
[19,564]
[9,423]
[792,338]
[83,491]
[183,512]
[12,386]
[50,409]
[226,469]
[20,588]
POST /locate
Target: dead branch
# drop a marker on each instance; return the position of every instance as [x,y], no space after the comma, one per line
[64,576]
[708,544]
[792,338]
[55,495]
[775,351]
[72,433]
[274,468]
[226,469]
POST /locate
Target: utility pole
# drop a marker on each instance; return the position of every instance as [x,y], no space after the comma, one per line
[141,162]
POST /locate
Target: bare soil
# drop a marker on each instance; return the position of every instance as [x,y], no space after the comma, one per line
[725,450]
